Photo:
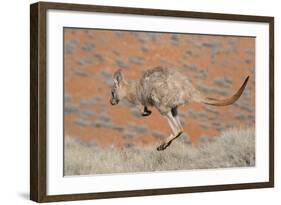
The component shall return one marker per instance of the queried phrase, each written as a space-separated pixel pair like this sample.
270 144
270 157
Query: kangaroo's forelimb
143 110
146 112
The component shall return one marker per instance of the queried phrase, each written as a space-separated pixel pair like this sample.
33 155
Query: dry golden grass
234 148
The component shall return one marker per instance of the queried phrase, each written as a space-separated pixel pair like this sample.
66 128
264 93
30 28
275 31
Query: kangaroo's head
118 90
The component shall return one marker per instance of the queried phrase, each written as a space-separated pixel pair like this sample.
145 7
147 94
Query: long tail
227 101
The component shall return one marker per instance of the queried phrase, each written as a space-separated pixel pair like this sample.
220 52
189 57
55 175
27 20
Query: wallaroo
166 90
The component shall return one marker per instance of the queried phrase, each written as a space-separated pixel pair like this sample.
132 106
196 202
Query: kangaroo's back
164 86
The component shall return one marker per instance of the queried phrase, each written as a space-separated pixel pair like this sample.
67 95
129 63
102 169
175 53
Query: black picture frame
38 101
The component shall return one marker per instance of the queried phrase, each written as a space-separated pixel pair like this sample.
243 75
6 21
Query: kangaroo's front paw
146 113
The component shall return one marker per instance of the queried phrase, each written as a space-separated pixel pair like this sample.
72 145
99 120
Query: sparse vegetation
234 148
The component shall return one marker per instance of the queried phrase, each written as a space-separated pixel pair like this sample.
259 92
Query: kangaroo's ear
118 76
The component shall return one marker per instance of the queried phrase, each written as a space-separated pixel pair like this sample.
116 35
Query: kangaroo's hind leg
176 129
176 116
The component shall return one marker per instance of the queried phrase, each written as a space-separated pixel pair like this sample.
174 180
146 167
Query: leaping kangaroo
166 90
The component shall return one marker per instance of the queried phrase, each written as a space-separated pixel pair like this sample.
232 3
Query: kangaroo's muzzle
114 101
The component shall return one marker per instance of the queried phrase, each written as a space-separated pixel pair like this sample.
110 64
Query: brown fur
166 90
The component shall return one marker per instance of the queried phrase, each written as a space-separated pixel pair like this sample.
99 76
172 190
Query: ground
234 148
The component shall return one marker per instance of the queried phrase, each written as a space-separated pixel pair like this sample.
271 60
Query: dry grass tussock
234 148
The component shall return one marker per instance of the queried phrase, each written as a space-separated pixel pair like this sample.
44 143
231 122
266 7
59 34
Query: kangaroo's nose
113 102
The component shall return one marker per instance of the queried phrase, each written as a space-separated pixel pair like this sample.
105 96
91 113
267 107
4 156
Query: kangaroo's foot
163 146
146 112
168 142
